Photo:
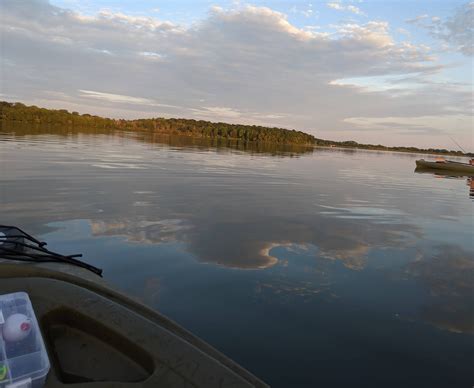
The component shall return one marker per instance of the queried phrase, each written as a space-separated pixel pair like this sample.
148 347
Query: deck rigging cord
16 244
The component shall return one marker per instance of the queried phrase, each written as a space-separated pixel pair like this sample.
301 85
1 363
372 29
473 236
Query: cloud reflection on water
240 207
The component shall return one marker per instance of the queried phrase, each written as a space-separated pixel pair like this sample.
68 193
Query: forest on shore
21 113
16 112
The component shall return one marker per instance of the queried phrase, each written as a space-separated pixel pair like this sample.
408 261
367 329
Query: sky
381 72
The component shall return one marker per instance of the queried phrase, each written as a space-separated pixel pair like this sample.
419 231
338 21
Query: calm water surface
313 268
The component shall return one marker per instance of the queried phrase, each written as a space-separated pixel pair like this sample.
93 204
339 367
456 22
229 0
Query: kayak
446 165
98 337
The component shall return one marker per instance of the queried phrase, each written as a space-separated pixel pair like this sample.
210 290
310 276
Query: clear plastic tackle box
24 361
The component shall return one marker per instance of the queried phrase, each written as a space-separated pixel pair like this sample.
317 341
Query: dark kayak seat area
97 337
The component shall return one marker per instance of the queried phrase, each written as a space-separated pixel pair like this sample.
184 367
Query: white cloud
337 6
246 64
354 9
403 31
438 128
217 112
306 12
456 32
151 55
413 125
348 8
115 97
417 19
374 33
120 98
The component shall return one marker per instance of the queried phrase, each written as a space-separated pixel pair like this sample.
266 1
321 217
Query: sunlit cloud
243 64
348 8
217 112
119 98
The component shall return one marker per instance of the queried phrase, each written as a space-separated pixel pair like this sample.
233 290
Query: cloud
403 31
417 19
245 64
457 31
348 8
217 111
119 98
307 12
149 232
373 33
415 125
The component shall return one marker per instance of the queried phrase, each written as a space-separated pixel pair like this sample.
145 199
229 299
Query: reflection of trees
174 140
185 142
24 129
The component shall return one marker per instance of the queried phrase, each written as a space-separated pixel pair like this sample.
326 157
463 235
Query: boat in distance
98 337
447 165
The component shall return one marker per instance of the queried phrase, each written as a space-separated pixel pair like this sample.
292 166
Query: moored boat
97 336
448 165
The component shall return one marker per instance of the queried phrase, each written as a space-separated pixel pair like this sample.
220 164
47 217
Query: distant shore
16 112
419 151
378 147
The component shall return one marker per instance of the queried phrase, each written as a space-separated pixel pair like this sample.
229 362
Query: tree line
378 147
21 113
16 112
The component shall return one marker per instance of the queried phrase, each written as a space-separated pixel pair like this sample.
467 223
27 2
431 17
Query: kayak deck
96 335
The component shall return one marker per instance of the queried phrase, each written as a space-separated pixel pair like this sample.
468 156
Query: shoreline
420 152
243 141
14 113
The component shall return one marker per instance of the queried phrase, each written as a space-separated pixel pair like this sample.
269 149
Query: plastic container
24 361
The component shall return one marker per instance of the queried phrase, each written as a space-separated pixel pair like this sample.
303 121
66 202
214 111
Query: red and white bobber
16 328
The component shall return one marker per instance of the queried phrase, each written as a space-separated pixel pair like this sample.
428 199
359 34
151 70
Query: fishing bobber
16 328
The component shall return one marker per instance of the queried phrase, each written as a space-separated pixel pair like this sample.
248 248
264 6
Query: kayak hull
447 166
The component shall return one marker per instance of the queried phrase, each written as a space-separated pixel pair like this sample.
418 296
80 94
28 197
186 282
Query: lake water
323 268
